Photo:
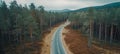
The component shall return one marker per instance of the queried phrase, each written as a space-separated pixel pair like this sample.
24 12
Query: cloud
64 4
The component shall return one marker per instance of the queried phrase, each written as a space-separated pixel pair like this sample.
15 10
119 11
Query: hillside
64 10
111 5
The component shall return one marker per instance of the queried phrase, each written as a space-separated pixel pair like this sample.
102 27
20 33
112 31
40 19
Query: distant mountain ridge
111 5
64 10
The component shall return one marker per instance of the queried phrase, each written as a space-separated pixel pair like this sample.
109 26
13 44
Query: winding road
57 46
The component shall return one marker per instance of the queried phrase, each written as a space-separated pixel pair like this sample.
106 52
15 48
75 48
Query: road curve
57 45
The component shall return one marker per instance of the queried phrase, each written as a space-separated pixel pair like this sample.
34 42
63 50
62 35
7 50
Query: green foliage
18 23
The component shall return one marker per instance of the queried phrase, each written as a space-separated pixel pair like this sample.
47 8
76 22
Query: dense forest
26 24
21 24
100 25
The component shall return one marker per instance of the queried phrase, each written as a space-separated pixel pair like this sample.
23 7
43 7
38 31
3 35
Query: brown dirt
47 42
29 48
107 49
78 43
64 43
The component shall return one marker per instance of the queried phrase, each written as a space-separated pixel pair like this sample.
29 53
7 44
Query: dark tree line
19 24
102 25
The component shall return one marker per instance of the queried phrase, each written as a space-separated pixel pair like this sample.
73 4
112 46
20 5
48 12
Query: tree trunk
17 38
115 33
31 32
41 25
20 35
50 22
2 38
111 34
91 33
100 28
105 33
9 36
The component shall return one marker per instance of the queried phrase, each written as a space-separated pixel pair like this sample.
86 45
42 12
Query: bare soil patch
64 43
77 43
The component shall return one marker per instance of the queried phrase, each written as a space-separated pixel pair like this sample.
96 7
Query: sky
63 4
